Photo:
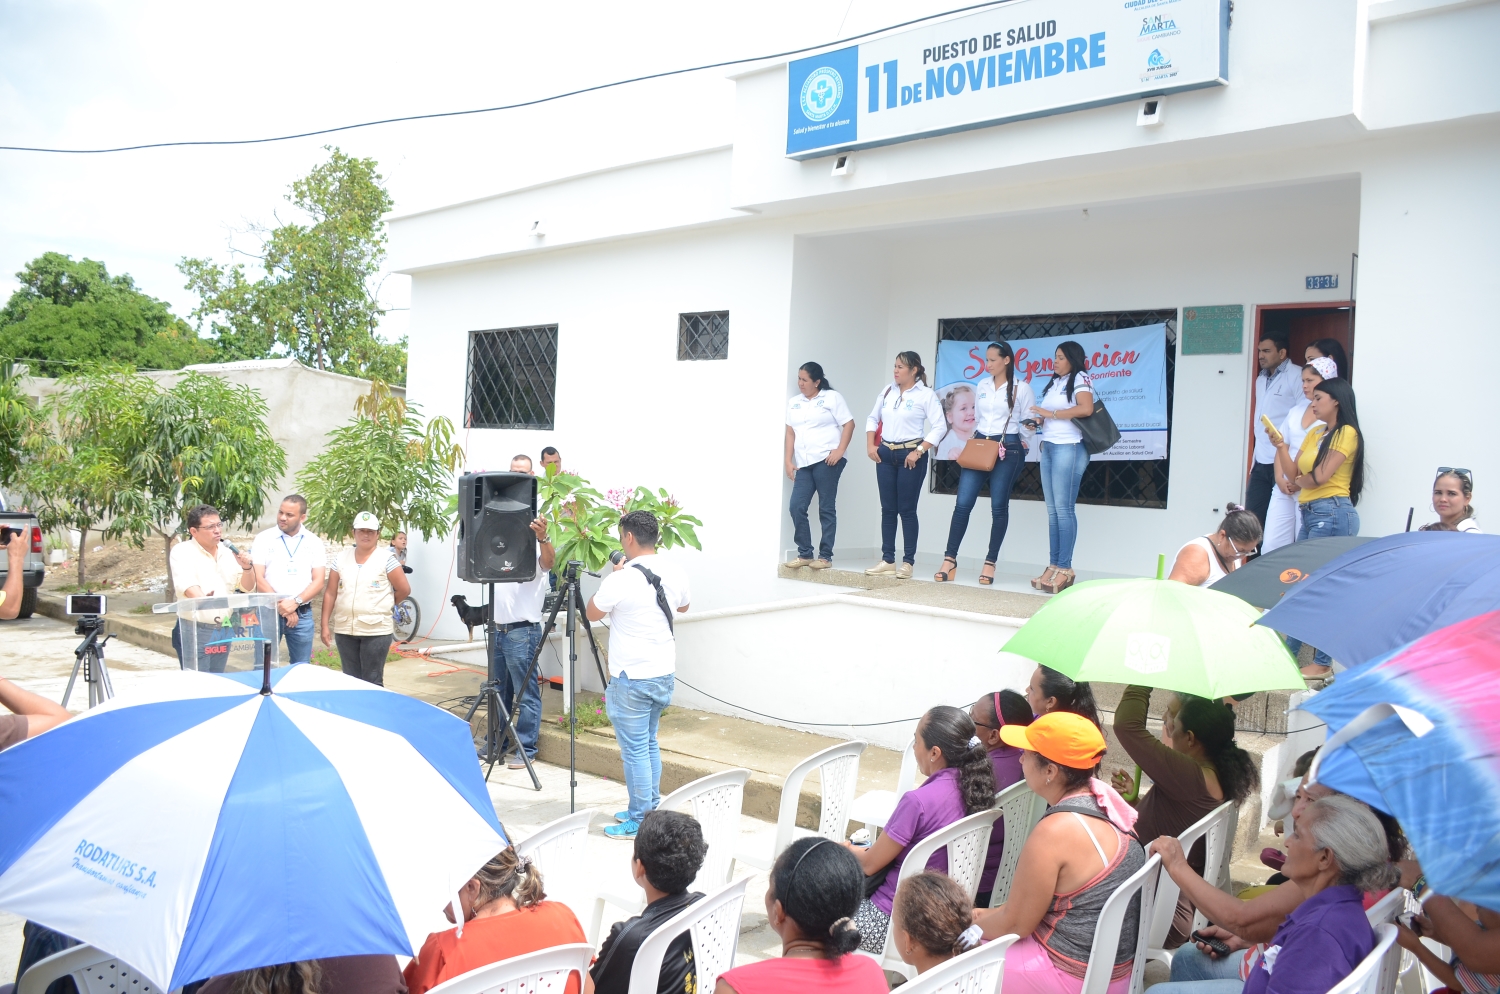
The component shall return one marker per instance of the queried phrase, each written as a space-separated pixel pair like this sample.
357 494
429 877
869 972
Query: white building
1348 145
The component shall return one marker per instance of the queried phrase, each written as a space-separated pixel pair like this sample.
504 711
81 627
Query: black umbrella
1265 580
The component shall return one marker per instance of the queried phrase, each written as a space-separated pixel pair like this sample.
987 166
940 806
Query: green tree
80 477
316 299
71 314
22 428
584 524
387 461
204 441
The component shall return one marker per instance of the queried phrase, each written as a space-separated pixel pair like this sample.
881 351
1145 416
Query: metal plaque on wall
1216 330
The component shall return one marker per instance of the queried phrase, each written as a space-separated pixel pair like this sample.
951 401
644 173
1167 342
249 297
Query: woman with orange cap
1069 866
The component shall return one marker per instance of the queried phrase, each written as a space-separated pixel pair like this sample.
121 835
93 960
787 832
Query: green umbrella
1158 633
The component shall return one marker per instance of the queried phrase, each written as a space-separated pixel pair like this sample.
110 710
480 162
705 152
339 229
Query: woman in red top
506 914
816 887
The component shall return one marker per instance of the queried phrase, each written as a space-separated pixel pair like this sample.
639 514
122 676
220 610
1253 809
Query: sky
75 73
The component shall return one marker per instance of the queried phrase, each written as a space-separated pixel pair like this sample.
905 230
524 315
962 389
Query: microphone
230 546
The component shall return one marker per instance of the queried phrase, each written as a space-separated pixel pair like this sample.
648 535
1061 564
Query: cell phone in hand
1219 947
1031 423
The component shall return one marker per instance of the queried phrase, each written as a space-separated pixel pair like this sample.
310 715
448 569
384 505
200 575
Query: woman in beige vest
365 581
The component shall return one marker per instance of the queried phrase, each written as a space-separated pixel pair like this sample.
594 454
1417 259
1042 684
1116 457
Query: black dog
473 617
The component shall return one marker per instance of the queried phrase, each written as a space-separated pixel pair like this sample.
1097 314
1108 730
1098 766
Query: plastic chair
1387 908
873 808
1376 973
968 842
93 971
545 971
715 926
557 850
1022 808
1214 828
977 971
838 775
1112 920
716 802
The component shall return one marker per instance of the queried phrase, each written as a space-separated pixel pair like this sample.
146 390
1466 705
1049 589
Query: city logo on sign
1158 26
822 93
1158 60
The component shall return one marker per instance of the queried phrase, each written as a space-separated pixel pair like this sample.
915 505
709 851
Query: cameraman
639 598
15 556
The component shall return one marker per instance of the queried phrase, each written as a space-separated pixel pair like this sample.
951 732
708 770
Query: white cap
366 519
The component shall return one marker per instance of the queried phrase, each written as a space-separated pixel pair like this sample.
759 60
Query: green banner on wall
1215 330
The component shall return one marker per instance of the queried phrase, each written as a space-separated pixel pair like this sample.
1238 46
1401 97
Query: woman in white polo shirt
1068 395
365 580
901 411
818 430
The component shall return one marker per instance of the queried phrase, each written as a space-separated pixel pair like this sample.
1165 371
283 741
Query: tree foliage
71 314
316 299
386 461
584 524
22 428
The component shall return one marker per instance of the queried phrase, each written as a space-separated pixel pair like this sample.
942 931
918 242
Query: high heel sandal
1061 580
985 581
946 575
1046 577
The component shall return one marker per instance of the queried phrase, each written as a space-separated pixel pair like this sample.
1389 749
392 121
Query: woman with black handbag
995 454
1069 395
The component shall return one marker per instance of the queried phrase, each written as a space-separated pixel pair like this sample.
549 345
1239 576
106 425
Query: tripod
89 657
498 727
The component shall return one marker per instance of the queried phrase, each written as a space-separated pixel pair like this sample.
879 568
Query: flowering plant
584 524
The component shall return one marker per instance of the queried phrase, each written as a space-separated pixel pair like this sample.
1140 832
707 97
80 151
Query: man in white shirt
291 561
518 632
1278 388
204 567
639 598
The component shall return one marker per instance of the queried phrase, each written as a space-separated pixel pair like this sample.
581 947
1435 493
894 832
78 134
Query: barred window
512 381
1130 483
703 336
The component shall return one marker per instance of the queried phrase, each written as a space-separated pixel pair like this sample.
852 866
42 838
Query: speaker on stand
496 545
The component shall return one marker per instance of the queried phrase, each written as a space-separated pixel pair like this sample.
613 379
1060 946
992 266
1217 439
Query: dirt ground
116 566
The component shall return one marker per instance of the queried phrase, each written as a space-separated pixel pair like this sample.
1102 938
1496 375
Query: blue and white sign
1029 58
1128 367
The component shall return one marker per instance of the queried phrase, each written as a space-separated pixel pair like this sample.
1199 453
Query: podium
226 634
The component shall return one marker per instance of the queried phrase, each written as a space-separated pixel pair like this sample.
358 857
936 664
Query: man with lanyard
290 561
1278 388
518 632
639 598
204 567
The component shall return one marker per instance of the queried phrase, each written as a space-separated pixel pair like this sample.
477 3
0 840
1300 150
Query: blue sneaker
622 816
624 830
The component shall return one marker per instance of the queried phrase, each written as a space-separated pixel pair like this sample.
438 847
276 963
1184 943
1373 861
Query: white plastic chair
1387 908
874 808
545 971
838 775
1214 828
93 971
715 925
977 971
1112 920
968 842
557 851
716 801
1022 808
1376 973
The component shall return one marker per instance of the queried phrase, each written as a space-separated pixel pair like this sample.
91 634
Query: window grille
1130 483
703 336
512 379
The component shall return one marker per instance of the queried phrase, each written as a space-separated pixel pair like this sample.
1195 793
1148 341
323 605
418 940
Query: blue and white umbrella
207 829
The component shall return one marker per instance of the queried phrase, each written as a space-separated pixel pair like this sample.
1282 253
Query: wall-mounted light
1150 112
843 165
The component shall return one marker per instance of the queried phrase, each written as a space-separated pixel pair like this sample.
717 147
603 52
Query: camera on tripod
89 609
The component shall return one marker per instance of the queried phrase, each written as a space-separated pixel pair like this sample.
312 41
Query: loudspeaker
495 540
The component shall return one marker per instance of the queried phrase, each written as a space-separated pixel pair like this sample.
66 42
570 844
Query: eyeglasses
1467 474
980 724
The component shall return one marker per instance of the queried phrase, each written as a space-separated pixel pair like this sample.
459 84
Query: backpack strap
661 596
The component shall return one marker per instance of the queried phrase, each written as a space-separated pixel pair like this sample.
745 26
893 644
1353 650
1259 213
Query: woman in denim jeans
1331 464
1068 395
1000 403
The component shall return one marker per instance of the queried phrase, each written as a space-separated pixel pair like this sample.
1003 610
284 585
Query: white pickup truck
21 526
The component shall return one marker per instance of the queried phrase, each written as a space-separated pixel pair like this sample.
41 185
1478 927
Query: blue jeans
1001 479
1233 986
1325 517
899 489
513 652
1062 471
824 479
299 640
634 708
211 658
1191 963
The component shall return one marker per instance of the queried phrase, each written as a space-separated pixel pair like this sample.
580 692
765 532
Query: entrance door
1302 325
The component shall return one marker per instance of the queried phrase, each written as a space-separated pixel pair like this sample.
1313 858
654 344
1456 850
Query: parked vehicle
26 529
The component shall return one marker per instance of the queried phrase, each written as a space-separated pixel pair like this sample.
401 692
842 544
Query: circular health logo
822 93
1293 575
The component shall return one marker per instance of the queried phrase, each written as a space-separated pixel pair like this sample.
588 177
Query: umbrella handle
1135 792
1161 573
265 680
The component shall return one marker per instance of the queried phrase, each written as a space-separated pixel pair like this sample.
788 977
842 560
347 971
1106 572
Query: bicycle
407 616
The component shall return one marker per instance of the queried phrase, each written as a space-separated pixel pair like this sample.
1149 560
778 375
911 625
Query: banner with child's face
1128 367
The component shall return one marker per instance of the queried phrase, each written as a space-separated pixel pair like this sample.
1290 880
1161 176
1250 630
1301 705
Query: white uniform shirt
640 644
1062 431
903 414
521 601
288 560
1276 393
194 566
995 416
817 425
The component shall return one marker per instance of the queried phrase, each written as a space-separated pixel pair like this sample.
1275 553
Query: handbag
880 425
981 454
1098 429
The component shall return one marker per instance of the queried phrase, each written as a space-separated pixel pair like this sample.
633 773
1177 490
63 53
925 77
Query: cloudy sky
79 74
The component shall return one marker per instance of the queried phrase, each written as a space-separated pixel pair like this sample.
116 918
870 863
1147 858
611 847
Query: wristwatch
299 601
